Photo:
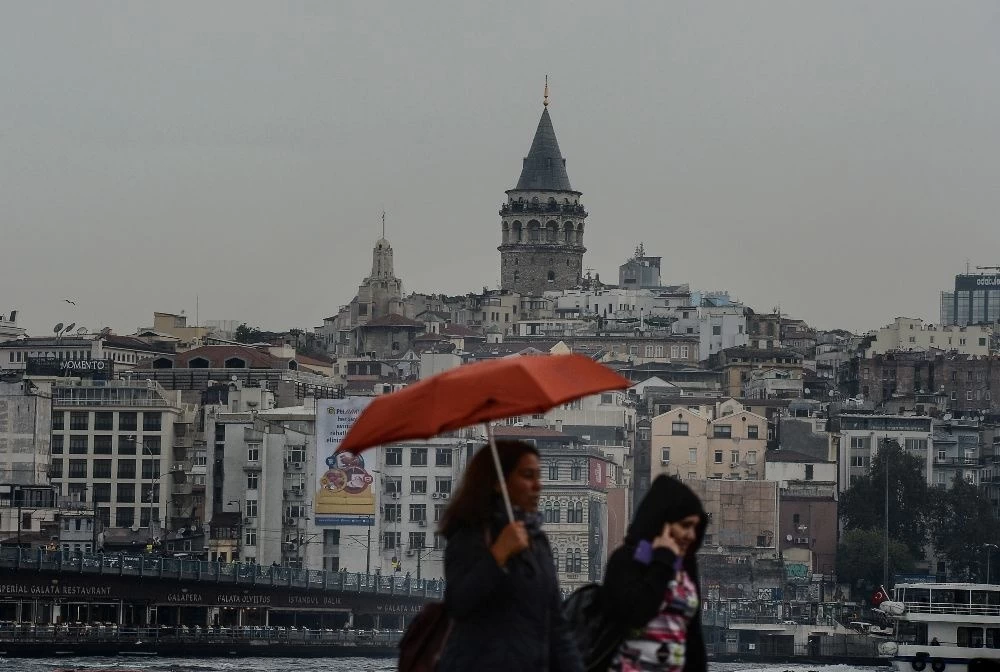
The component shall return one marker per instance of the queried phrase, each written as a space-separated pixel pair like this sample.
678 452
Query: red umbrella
479 393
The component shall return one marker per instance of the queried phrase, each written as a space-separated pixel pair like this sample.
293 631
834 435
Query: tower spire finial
545 97
383 224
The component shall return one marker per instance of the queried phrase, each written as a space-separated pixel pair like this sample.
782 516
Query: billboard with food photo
345 491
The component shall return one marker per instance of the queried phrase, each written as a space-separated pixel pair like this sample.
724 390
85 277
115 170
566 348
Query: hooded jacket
504 619
633 589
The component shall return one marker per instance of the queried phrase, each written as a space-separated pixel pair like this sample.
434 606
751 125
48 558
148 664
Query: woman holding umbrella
501 592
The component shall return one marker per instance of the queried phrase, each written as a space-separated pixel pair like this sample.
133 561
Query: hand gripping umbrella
477 394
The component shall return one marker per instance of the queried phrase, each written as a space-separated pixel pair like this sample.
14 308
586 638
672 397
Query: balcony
182 466
181 489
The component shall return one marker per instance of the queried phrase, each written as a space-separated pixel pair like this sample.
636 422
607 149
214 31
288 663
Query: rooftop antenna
383 224
545 96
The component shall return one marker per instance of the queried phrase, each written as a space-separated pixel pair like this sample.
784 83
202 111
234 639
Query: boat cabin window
950 596
986 597
918 595
993 638
970 637
912 632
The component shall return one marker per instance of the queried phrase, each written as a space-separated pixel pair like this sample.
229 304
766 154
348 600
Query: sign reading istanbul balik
344 491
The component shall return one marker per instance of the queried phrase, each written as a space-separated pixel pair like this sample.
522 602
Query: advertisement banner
344 483
598 474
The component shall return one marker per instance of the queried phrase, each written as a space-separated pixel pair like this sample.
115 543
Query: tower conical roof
544 168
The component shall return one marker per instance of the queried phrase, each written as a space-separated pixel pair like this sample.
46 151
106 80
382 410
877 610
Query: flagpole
885 559
499 468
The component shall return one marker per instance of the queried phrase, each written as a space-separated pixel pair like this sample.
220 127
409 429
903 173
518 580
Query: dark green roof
544 168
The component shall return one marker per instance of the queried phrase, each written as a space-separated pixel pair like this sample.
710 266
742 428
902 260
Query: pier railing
15 632
125 564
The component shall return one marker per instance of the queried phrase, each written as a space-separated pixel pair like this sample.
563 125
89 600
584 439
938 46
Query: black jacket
504 620
633 591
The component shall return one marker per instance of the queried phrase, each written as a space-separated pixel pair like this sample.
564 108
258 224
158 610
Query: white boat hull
921 658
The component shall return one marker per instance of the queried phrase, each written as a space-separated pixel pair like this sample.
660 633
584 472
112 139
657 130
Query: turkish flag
880 596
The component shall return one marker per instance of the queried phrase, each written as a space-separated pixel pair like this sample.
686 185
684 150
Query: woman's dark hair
473 502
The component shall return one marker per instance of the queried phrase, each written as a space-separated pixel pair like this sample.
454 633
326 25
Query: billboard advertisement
974 282
598 476
345 492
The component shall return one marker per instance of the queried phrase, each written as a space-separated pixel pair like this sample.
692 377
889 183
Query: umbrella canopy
478 393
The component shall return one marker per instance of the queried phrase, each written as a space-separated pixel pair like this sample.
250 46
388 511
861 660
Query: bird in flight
68 301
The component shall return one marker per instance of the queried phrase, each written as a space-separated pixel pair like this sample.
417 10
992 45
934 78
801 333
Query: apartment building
859 437
694 444
112 445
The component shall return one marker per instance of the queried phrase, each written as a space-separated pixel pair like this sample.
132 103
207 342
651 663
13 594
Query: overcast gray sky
840 159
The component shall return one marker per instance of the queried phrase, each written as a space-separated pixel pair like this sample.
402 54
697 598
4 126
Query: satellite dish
135 527
56 329
70 327
81 331
788 537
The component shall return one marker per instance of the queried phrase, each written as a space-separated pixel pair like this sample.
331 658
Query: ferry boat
942 627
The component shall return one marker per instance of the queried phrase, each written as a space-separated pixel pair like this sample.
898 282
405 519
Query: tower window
552 276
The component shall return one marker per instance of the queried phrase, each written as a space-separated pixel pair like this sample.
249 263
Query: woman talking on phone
651 584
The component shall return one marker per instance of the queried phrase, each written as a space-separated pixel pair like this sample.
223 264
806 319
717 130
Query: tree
962 523
859 559
862 506
245 334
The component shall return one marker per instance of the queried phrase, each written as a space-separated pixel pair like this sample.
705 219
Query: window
253 452
250 537
58 420
554 471
692 455
665 456
102 468
734 457
439 510
78 445
79 420
251 508
126 468
717 330
393 485
56 469
751 457
444 485
392 513
753 432
102 444
970 637
576 471
124 517
126 493
253 480
761 541
394 457
391 540
722 431
418 513
151 421
78 469
684 352
859 460
57 444
418 540
718 457
150 469
674 352
574 512
439 542
809 472
418 457
442 458
418 486
679 428
102 492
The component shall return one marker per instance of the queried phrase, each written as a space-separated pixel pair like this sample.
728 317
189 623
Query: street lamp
146 450
989 549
